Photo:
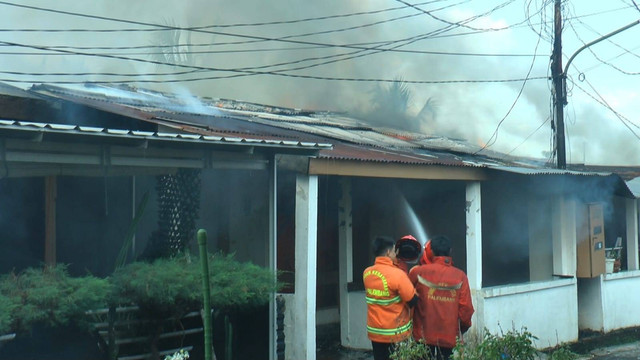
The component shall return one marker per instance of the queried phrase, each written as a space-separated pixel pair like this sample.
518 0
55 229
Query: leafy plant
517 345
49 296
7 306
179 355
175 284
563 353
411 350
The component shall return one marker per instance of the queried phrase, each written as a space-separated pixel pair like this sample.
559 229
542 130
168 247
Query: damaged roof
12 126
352 139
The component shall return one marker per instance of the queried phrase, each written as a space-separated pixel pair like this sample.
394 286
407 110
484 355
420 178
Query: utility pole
558 85
560 79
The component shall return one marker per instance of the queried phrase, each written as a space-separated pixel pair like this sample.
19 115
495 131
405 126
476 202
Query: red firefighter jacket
388 290
444 309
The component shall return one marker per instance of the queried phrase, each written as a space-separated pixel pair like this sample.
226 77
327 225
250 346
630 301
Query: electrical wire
422 52
212 26
605 62
625 121
202 29
157 27
350 55
494 137
454 23
528 136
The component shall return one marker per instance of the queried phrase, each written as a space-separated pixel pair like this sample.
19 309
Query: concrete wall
357 336
548 310
620 302
590 304
608 302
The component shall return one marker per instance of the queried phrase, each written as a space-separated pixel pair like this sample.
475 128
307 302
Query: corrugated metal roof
545 171
352 139
24 126
634 186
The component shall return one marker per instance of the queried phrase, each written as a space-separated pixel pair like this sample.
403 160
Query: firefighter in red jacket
444 310
389 295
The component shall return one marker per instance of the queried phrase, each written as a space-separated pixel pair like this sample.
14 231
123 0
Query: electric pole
560 77
558 85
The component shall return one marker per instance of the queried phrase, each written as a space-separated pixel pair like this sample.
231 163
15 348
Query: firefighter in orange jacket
444 310
389 295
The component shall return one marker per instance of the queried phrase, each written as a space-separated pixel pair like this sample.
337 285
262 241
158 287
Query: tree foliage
49 296
175 284
392 107
7 306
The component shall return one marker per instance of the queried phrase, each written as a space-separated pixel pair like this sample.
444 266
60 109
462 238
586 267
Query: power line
529 136
596 55
202 29
209 44
286 39
625 121
423 52
212 26
449 22
351 55
494 136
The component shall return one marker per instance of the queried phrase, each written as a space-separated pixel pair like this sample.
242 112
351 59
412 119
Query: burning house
316 187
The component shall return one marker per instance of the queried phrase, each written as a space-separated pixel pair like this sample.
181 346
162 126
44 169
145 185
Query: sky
454 56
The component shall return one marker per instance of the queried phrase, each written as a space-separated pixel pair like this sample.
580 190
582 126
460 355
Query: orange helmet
408 248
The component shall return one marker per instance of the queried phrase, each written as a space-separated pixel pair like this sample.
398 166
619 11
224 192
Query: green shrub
175 285
563 353
49 296
411 350
163 286
7 306
512 345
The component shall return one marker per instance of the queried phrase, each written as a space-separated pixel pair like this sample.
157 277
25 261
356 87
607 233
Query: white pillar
473 210
632 234
305 267
564 234
345 256
474 235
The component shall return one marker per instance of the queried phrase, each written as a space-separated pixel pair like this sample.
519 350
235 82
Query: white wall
590 315
609 302
548 310
620 300
357 336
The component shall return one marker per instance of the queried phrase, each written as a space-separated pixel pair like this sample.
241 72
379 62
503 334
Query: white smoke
470 110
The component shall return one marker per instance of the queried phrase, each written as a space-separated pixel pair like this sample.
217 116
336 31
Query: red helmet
427 255
408 248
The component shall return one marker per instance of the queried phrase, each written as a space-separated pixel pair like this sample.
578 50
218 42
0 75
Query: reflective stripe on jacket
388 289
445 302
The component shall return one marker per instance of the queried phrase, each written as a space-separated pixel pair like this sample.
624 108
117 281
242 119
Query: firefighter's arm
465 306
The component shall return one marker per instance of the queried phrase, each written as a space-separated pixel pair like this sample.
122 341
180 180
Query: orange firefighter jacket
388 290
444 309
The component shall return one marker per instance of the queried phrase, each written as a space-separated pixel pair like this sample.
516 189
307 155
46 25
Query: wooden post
50 186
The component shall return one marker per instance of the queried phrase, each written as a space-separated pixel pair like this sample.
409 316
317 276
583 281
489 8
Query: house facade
306 192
